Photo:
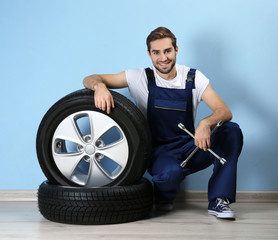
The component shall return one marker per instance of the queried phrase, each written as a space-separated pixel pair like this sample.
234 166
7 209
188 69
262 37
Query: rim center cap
90 149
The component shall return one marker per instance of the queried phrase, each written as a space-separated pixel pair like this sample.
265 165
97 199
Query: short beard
166 72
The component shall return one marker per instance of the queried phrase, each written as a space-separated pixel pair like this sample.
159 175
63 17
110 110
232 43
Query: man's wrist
99 85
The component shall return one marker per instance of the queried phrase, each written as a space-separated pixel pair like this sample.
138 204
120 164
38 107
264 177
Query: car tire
104 205
71 153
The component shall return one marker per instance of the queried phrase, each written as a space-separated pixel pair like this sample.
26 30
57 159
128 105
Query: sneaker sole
225 215
164 207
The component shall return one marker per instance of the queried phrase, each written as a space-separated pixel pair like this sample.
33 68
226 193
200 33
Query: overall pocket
174 105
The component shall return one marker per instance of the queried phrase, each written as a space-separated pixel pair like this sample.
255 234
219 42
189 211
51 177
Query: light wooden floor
21 220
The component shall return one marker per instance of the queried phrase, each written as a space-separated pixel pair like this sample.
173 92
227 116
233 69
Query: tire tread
107 205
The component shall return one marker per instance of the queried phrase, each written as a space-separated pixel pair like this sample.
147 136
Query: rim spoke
67 130
67 163
97 177
100 124
118 152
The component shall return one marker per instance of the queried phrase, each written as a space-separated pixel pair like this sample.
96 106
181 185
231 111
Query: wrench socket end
181 126
183 165
223 161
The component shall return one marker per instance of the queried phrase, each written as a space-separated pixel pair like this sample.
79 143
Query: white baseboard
242 196
18 195
185 196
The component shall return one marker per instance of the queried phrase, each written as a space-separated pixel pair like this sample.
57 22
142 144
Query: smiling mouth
164 64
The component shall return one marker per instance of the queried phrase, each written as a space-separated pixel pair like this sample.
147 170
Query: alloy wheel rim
90 149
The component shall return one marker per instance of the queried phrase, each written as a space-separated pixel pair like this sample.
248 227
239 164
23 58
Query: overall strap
190 84
150 76
190 81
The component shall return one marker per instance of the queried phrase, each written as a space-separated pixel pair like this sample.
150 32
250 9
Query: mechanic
168 94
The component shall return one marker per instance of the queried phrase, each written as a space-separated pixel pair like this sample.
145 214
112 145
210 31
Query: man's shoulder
136 72
135 76
182 68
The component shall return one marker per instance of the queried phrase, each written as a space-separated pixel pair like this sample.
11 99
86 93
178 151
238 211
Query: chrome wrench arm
190 156
222 160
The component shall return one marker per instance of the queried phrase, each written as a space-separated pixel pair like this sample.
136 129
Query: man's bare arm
100 84
220 112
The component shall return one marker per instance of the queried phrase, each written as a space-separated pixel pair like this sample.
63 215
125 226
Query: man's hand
103 98
202 136
100 84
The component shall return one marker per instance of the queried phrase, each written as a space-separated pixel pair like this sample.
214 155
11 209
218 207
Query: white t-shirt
138 85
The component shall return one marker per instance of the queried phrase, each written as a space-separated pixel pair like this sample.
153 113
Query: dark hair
159 33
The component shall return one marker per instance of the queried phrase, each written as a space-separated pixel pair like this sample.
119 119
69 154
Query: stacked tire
94 161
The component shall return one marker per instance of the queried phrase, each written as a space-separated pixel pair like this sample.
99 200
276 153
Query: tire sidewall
136 164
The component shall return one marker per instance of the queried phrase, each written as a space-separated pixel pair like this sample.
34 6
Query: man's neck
168 76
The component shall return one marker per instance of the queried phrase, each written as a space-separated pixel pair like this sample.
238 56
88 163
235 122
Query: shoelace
224 204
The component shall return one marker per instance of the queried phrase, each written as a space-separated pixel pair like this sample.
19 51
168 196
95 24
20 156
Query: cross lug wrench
219 123
222 160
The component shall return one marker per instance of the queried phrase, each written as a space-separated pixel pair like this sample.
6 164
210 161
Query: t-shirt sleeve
131 77
201 82
134 80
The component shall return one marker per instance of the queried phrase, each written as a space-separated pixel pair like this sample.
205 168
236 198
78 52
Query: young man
168 94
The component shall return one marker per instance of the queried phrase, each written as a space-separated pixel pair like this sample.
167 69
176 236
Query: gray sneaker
164 206
220 208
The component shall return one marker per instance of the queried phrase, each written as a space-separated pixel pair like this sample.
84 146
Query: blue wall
48 46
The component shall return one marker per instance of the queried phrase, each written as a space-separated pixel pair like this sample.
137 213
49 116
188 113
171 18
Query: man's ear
149 53
177 48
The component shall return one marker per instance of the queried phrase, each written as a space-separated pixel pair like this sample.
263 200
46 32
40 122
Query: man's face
163 55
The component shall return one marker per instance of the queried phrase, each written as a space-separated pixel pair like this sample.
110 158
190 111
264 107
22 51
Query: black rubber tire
127 116
106 205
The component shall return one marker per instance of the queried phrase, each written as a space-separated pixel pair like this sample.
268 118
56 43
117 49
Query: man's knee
233 127
233 131
169 178
229 140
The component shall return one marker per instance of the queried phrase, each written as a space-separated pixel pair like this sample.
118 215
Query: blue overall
171 145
